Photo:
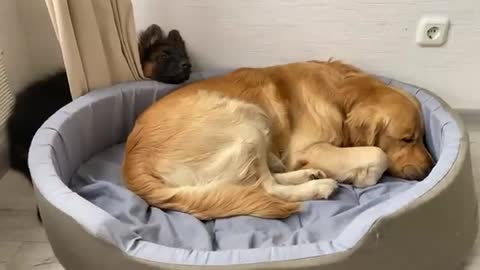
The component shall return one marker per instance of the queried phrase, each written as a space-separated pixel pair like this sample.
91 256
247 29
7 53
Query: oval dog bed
93 222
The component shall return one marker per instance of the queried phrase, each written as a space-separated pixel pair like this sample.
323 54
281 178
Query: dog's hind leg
299 176
311 190
296 186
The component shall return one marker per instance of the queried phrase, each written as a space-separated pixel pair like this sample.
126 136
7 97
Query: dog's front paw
371 174
324 188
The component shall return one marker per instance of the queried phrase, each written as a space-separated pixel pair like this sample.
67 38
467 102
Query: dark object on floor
33 106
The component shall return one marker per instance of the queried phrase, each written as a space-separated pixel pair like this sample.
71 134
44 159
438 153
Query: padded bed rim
63 230
448 179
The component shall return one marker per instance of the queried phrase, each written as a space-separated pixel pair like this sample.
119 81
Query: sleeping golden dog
258 141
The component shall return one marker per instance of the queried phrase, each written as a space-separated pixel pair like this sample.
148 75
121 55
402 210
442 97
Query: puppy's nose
185 65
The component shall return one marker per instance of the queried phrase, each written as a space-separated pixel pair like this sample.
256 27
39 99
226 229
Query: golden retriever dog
259 141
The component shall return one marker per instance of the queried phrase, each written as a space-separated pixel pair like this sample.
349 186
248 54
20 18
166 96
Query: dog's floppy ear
364 124
150 36
175 37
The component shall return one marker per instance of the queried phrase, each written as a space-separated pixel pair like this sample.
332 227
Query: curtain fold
98 42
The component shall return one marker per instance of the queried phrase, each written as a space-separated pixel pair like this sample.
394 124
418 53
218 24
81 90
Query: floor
23 242
24 245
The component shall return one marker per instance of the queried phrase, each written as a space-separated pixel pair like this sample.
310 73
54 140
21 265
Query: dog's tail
212 200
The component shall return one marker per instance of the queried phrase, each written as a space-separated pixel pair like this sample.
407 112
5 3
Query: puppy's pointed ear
364 125
175 37
147 38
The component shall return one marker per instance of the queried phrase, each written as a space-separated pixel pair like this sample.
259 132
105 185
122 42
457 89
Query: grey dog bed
75 160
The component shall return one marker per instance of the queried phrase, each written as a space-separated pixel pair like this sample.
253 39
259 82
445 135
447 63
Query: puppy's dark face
164 59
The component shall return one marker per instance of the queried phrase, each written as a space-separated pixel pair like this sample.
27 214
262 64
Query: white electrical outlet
432 30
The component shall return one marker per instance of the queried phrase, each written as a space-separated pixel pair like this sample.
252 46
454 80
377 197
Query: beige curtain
98 42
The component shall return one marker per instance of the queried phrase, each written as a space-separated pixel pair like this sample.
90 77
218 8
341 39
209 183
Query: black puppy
32 107
167 58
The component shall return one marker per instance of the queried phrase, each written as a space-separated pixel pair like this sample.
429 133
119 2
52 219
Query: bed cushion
99 181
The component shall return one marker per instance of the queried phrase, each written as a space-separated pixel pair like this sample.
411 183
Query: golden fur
258 141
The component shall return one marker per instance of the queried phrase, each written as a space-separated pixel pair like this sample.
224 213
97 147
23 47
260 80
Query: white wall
377 35
45 51
14 44
27 38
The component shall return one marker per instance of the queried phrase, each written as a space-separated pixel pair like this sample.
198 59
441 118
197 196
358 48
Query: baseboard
471 118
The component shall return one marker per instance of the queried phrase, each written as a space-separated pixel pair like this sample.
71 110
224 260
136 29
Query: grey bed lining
59 148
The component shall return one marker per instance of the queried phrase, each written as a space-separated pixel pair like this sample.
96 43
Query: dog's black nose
186 65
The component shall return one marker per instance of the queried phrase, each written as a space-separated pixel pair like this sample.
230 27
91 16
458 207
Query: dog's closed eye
408 140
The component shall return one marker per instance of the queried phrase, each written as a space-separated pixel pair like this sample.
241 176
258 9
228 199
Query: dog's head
164 58
392 120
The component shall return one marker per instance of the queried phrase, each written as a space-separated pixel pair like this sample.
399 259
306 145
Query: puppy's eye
164 55
407 140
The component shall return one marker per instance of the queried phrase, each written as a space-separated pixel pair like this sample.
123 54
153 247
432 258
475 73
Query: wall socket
432 30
